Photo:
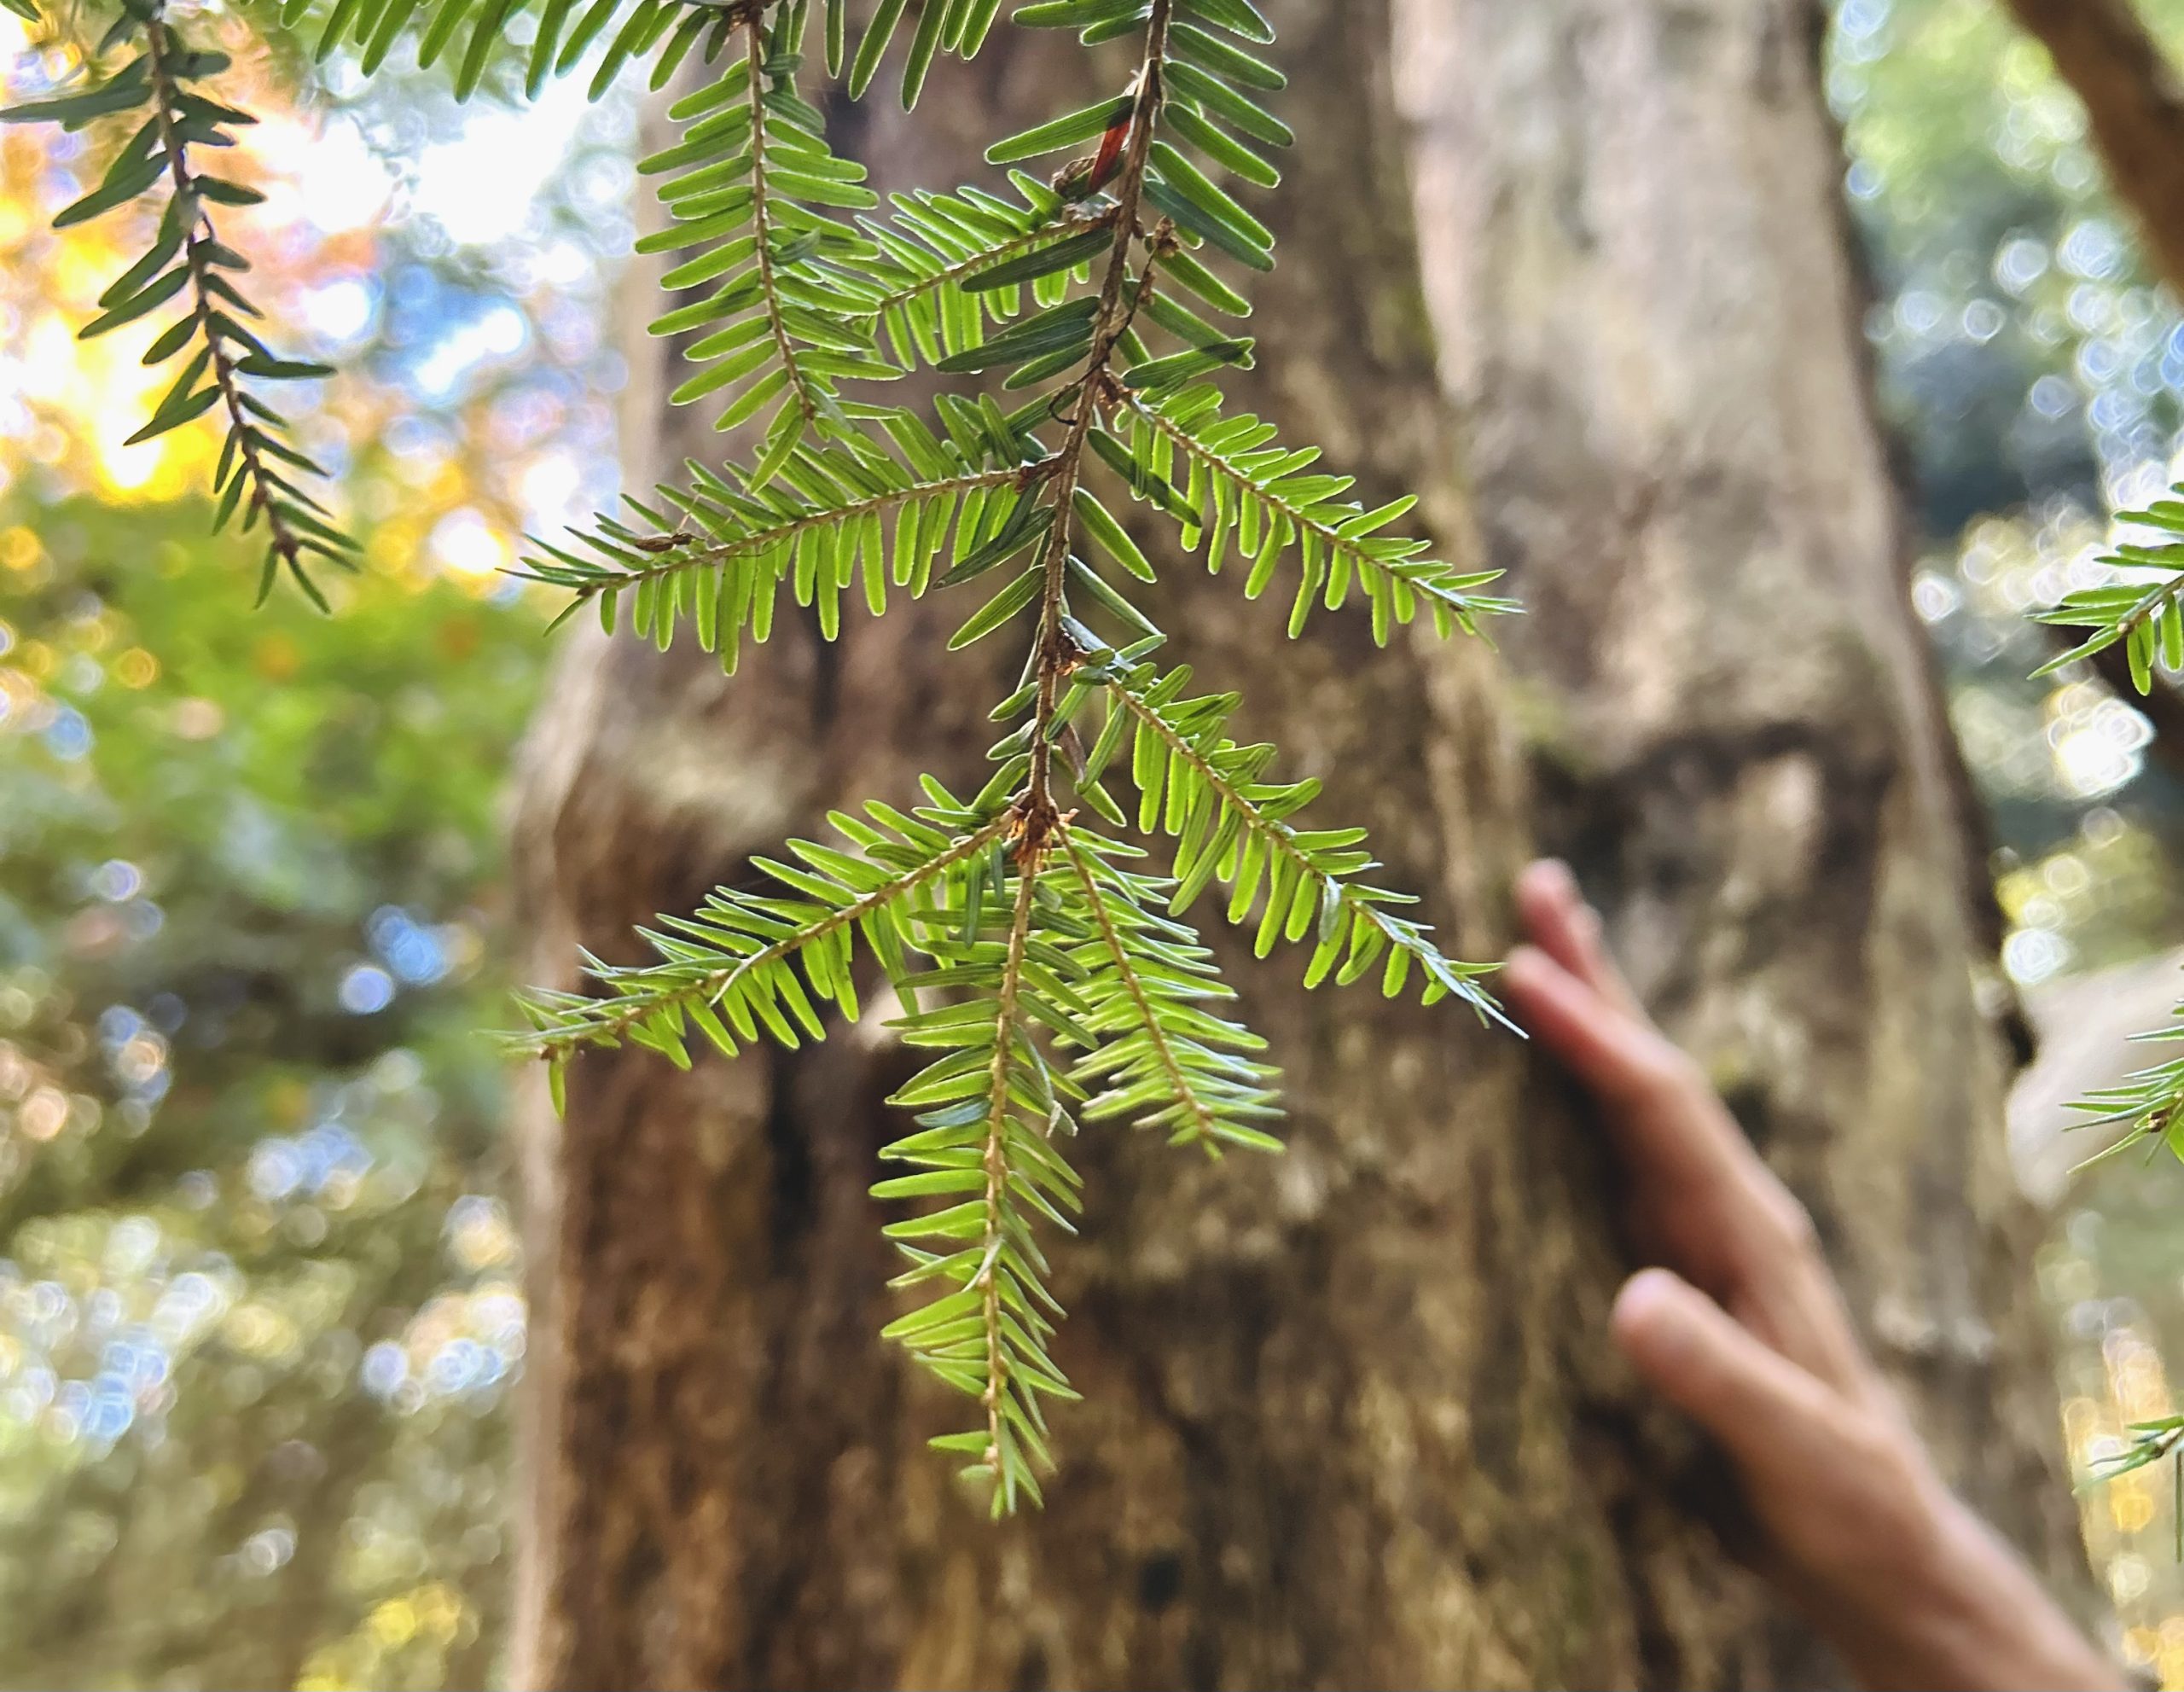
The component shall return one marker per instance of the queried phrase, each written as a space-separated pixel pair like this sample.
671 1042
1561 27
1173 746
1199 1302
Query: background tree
260 1298
1578 271
260 1301
2133 103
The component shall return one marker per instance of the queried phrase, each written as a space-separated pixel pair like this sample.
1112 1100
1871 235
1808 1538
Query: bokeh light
260 1293
2034 370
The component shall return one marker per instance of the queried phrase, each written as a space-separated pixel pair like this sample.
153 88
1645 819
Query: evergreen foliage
187 266
2141 609
1049 968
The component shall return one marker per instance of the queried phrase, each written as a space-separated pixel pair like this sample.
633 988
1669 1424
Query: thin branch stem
252 462
1331 536
995 1160
760 540
712 986
1053 655
762 220
979 261
1279 839
1186 1095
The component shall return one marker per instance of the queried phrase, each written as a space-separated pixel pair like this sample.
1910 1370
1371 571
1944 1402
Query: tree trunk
1649 316
1350 1416
2134 104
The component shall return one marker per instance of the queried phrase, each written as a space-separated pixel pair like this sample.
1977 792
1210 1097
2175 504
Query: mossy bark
1576 271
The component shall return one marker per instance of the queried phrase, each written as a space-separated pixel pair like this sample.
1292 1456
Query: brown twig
995 1164
761 216
1054 656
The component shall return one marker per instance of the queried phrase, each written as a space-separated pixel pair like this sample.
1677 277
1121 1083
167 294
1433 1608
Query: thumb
1768 1413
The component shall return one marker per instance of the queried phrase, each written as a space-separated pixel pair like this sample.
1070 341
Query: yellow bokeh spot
394 1623
440 1610
19 548
136 668
2130 1507
277 658
2170 1666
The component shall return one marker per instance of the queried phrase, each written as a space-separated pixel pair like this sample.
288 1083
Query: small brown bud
1074 181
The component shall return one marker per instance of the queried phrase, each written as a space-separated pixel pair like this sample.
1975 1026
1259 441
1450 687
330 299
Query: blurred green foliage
2034 371
257 1308
2025 350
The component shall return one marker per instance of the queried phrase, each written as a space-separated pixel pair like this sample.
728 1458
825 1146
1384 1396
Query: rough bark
1349 1415
1649 320
2134 103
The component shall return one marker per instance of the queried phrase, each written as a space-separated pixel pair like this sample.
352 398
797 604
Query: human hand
1742 1327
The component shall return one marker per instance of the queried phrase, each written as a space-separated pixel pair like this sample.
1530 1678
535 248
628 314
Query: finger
1562 925
1696 1183
1662 1119
1672 1134
1788 1296
1774 1418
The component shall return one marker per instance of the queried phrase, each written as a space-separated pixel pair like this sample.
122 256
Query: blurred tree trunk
2133 105
1350 1417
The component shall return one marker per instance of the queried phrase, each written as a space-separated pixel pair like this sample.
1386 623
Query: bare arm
1742 1327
